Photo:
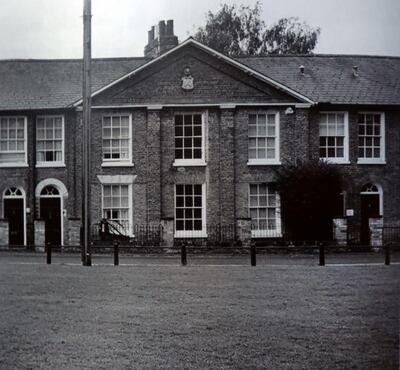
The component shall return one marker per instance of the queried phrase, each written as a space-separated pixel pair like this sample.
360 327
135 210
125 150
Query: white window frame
117 162
266 161
181 162
193 233
130 205
277 233
345 158
52 163
381 159
18 164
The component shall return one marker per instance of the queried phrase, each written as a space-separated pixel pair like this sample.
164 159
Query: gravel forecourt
155 315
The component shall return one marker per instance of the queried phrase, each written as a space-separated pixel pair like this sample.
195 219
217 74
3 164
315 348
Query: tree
241 31
309 195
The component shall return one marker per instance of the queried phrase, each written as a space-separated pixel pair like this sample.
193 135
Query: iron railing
212 235
139 234
391 235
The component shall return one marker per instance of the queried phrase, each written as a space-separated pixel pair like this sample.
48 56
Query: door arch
371 207
14 209
51 194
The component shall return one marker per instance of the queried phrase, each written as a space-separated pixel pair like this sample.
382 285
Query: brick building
187 137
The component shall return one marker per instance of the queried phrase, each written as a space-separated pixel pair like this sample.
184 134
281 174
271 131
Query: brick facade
225 96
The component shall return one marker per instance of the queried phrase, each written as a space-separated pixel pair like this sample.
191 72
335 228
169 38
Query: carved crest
187 79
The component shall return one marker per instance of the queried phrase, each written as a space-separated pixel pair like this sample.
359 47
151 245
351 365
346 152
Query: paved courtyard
217 312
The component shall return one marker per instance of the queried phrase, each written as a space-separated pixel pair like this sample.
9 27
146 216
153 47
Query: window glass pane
252 130
331 118
197 119
188 207
263 207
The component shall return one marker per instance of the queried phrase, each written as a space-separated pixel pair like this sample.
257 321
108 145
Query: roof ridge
317 56
73 59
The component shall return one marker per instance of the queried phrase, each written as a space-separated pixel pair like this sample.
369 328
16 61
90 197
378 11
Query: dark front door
369 209
50 211
14 213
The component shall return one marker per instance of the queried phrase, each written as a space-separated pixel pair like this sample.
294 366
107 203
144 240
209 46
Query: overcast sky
53 28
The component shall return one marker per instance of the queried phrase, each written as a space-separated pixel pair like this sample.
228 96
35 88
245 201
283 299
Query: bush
310 197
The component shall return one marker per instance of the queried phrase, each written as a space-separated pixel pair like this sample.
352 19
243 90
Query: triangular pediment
215 79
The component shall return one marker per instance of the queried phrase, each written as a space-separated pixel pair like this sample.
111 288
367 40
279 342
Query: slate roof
329 78
44 84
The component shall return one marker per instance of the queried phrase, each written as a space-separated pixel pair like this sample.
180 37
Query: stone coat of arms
187 79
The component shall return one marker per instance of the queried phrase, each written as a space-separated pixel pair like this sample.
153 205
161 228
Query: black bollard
183 254
253 255
387 255
48 250
321 255
88 259
116 251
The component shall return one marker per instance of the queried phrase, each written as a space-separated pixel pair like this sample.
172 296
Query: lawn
65 316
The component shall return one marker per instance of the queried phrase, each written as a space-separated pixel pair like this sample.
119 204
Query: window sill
190 234
189 163
366 161
266 234
14 165
49 165
117 164
264 163
335 161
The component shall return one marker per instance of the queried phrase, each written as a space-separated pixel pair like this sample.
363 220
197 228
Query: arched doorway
14 212
51 195
371 207
50 211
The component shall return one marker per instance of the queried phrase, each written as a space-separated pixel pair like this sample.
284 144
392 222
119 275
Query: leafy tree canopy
241 31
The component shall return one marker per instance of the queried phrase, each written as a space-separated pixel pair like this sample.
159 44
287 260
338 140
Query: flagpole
87 51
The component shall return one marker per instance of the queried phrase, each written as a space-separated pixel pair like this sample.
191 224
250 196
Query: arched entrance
51 195
14 212
50 211
371 207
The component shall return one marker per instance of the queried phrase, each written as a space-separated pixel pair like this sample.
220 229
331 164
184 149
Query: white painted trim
117 164
345 159
196 105
212 52
14 165
189 163
51 181
382 158
23 197
19 164
182 162
63 195
380 193
130 200
265 162
370 161
113 161
116 179
262 162
52 163
193 233
267 233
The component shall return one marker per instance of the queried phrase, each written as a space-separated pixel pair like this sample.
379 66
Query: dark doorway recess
50 212
14 213
369 209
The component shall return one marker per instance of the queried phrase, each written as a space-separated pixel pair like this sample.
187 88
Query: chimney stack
161 39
